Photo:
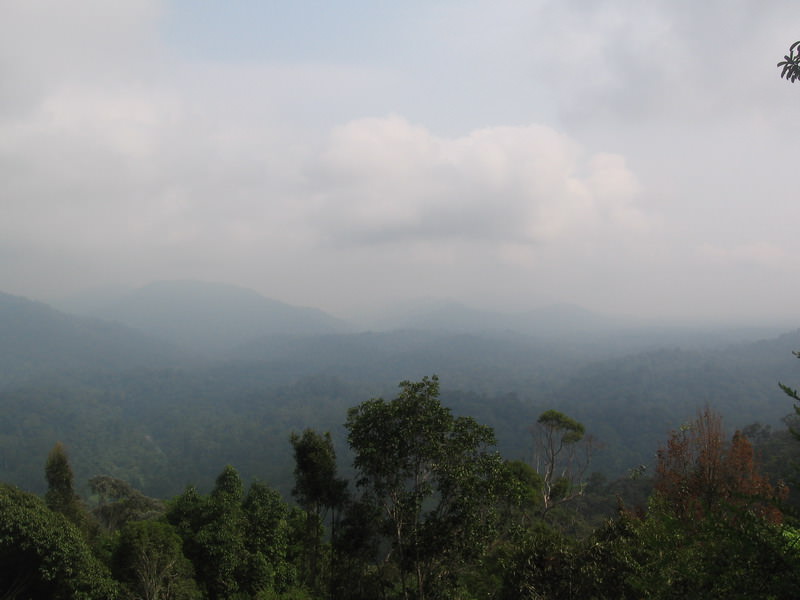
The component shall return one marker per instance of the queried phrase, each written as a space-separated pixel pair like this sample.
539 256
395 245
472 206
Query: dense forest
432 511
601 461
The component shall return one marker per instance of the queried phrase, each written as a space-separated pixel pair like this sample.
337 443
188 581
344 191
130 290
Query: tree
790 65
712 529
213 532
149 559
238 545
318 490
793 393
433 484
267 539
561 455
119 503
60 496
698 474
43 555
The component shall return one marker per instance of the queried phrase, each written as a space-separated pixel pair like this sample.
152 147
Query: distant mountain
89 301
470 360
556 320
212 317
35 338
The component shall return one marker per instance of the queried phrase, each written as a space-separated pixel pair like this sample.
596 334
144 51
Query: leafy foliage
432 483
217 532
698 474
791 392
119 503
43 555
562 454
790 65
148 558
61 496
318 490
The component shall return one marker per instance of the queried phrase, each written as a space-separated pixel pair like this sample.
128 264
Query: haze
631 158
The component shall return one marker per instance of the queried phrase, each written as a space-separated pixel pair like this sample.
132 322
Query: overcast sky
635 158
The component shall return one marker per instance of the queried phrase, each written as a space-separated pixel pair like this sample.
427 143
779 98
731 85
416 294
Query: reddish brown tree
698 473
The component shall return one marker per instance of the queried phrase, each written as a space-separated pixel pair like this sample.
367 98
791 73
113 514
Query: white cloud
386 180
762 253
571 150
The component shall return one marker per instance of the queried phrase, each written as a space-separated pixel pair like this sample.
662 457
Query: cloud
631 62
47 44
577 151
762 253
384 180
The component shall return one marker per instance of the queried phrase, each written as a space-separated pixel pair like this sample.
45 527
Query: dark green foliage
733 555
160 427
118 503
219 537
791 392
318 490
658 557
433 482
267 539
61 496
436 514
148 559
790 65
542 567
43 555
316 485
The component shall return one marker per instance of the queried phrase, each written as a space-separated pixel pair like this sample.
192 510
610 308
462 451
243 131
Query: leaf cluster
790 65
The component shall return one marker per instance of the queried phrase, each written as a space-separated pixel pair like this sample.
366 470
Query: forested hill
37 339
130 406
209 318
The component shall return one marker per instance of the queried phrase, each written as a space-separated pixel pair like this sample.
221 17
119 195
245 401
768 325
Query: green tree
793 393
238 544
433 482
60 496
733 553
43 555
561 455
221 538
267 540
213 532
118 503
318 490
149 559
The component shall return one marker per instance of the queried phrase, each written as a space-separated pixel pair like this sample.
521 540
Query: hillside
37 339
211 318
128 405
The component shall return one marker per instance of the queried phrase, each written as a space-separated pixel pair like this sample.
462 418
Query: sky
633 158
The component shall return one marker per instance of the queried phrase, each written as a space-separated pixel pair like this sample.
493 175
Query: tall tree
213 531
119 502
148 558
318 490
561 455
433 482
60 496
698 473
267 539
237 544
712 529
792 392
